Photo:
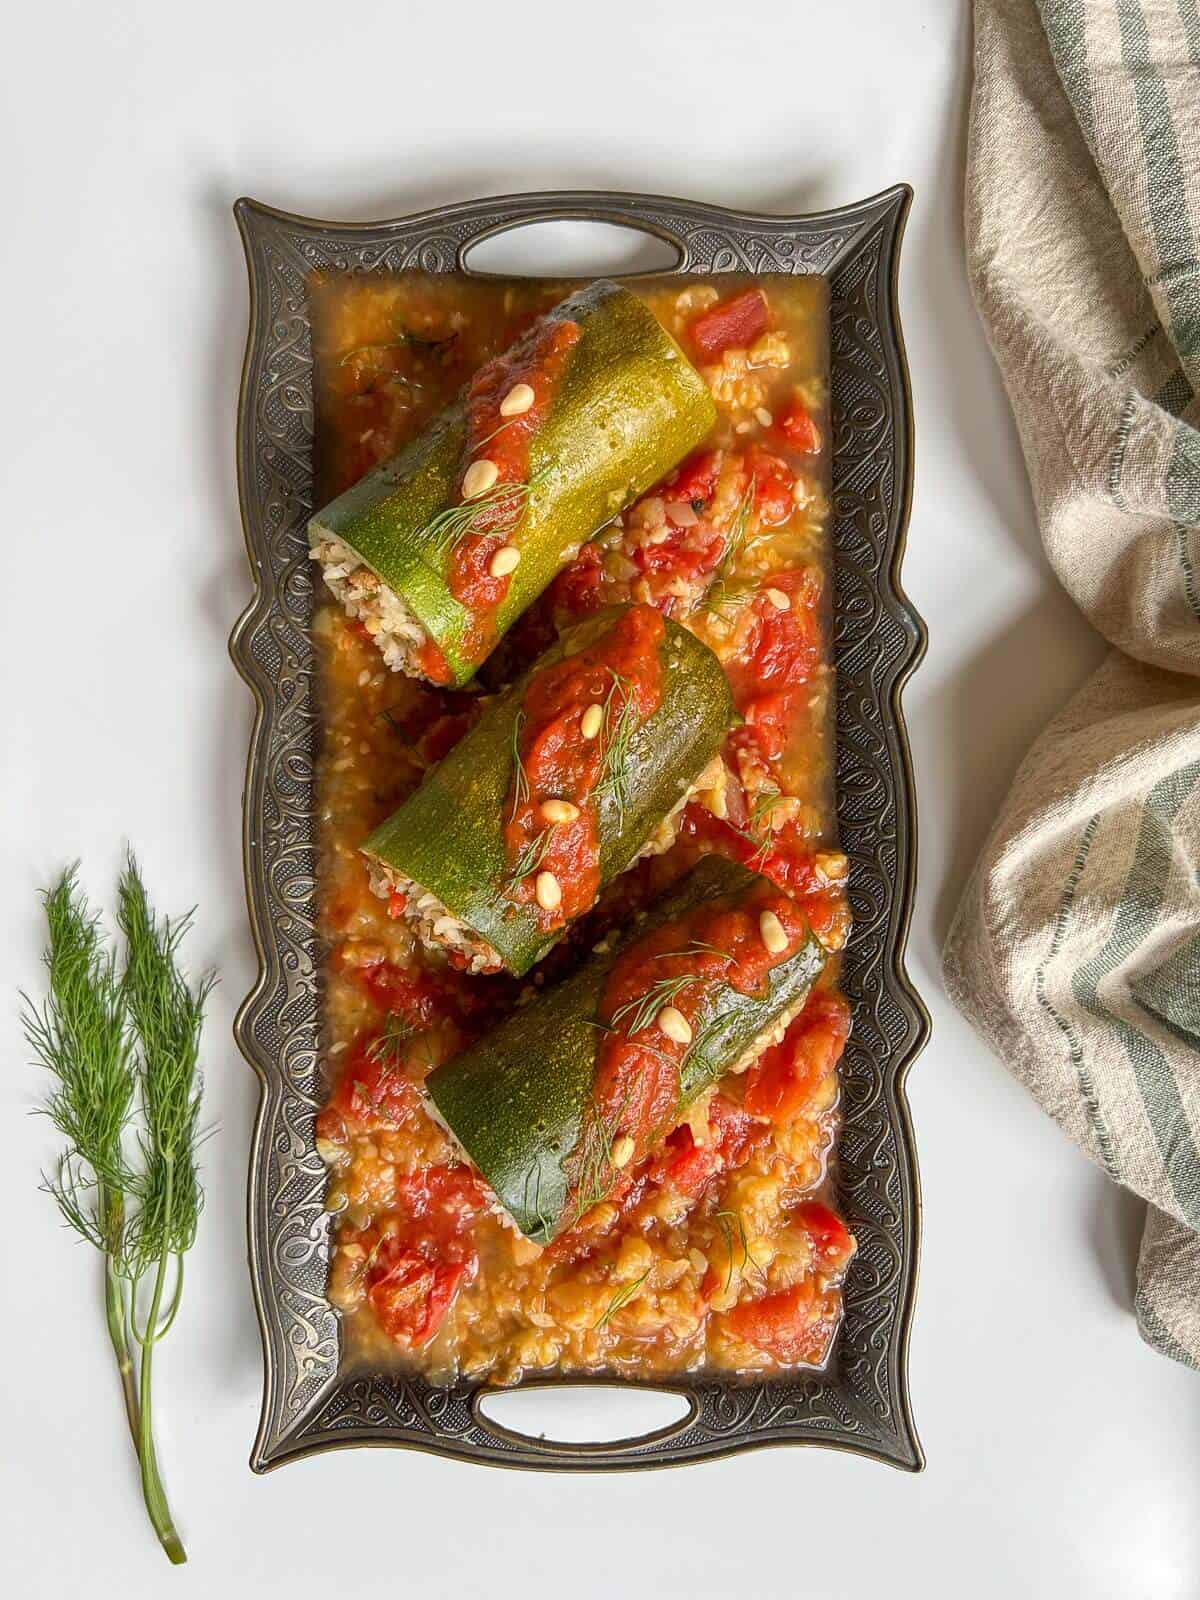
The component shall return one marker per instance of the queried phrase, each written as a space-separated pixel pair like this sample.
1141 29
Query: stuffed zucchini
570 1090
567 778
439 550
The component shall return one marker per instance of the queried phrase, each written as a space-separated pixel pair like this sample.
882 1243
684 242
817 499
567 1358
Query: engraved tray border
860 1403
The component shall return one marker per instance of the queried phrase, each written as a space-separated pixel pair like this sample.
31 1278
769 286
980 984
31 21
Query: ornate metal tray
861 1402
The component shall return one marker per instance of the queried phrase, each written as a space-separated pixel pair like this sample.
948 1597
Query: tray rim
640 212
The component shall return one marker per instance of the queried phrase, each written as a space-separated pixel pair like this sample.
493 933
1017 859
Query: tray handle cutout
571 1421
593 237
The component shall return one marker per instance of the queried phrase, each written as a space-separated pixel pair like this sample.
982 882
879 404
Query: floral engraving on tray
861 1402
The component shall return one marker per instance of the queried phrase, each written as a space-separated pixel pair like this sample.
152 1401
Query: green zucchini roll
440 550
567 1092
567 778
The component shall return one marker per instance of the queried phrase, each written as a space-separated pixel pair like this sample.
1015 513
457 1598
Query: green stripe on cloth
1157 1334
1175 395
1136 917
1066 28
1171 993
1177 273
1189 15
1083 1077
1183 475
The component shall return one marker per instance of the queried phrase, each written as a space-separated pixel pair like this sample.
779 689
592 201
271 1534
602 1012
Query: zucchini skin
629 407
516 1101
448 836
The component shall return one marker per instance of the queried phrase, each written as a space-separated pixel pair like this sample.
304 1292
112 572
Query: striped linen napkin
1076 949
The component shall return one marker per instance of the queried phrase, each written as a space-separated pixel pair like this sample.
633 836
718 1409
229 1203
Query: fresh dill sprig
594 1178
720 592
545 1223
402 338
531 857
696 947
726 1221
478 444
112 1039
622 1297
389 1048
167 1014
620 727
758 831
520 780
642 1011
476 518
80 1035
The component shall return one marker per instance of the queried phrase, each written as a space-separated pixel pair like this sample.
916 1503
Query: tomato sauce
621 676
680 965
537 362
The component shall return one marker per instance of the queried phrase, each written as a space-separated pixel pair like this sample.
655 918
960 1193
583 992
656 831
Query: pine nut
547 891
771 930
622 1151
506 560
591 721
779 600
517 401
556 811
675 1025
479 478
764 417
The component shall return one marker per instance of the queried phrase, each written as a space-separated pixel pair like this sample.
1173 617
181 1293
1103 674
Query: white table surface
1064 1456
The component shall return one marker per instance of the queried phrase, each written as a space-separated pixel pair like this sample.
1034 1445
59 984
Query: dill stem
153 1492
112 1208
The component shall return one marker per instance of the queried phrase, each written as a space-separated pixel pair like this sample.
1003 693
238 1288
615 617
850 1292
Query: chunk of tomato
797 426
832 1244
687 1167
784 1079
732 324
410 1294
774 486
371 1090
579 588
696 480
796 1324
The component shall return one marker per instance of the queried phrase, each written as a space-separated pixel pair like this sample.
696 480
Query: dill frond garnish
620 724
622 1297
758 831
478 444
726 1221
642 1011
123 1046
483 515
520 781
402 338
545 1224
721 592
697 947
389 1048
530 858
